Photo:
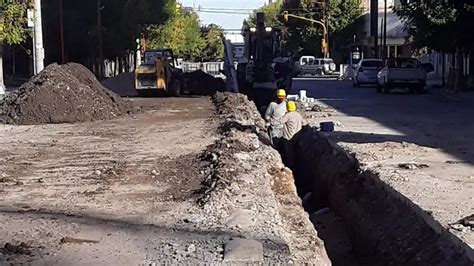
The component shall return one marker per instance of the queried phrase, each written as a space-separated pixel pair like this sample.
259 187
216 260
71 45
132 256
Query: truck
403 73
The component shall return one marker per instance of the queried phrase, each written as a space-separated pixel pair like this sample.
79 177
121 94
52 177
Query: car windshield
402 63
377 64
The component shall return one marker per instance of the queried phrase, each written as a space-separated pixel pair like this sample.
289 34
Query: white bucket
292 97
303 96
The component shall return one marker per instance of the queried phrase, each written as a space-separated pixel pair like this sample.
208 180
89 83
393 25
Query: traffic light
178 8
324 45
285 16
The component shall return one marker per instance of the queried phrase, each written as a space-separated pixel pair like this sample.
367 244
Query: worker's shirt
292 122
275 112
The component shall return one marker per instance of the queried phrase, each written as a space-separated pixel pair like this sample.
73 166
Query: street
419 144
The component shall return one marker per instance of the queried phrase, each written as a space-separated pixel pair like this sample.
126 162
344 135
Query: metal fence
211 68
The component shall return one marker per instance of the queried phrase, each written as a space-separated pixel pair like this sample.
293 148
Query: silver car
366 72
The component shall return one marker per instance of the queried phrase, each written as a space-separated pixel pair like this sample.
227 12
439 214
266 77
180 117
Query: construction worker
292 123
273 115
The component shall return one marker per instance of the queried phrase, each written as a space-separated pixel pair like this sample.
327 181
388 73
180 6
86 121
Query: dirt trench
383 226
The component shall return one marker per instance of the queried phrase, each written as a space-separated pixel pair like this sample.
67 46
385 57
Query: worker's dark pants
275 135
288 152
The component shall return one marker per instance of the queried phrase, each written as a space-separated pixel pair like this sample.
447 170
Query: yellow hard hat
281 93
291 106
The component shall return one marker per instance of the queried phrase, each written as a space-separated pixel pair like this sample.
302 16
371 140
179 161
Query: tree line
161 23
302 37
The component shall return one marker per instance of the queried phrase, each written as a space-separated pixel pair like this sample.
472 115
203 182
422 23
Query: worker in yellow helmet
273 115
292 123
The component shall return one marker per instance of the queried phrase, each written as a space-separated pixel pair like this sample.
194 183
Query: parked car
366 72
316 66
403 73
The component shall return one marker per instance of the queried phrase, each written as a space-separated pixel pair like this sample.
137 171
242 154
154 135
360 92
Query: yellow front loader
158 74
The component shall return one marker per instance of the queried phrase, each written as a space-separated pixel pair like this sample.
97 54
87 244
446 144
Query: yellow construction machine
158 74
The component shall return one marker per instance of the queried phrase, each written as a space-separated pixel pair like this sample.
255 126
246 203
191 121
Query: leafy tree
182 33
303 37
272 15
123 21
439 24
13 28
214 47
342 13
443 25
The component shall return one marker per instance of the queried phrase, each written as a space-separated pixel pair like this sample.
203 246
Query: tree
442 25
123 21
302 37
214 46
439 24
182 34
188 39
272 15
13 28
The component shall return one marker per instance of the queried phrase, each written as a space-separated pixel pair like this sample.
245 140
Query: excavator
259 73
158 75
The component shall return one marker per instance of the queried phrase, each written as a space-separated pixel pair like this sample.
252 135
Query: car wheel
379 88
386 89
319 72
355 84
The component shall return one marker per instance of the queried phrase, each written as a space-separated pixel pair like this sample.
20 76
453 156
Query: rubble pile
247 189
200 83
62 94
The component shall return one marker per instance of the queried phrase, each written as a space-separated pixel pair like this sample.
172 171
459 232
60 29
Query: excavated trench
362 220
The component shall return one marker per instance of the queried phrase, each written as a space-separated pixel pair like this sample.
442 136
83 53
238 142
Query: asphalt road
432 119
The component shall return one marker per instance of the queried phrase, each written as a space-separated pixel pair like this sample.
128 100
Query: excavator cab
158 74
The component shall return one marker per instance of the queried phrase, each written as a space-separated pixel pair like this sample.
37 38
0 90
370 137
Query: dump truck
158 75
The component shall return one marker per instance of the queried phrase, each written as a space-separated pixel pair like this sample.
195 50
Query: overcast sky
227 21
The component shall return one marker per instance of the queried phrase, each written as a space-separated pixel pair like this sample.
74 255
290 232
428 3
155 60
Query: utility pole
385 52
39 49
101 41
374 21
61 30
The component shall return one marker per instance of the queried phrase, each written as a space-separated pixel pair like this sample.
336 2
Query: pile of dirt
62 94
200 83
194 83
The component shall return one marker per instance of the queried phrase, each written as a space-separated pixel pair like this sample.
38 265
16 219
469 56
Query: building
396 35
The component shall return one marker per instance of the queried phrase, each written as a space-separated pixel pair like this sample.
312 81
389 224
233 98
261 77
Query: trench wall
385 227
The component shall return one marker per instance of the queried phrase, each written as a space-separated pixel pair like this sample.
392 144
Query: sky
227 21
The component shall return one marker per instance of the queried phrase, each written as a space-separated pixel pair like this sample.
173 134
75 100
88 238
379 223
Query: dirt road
182 182
64 187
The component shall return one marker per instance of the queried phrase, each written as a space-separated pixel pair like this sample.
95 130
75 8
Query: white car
316 66
366 72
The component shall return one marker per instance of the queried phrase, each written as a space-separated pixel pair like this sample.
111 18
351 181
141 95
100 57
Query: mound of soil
200 83
62 94
194 83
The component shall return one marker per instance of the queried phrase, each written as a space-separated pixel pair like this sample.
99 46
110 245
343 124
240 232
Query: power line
223 12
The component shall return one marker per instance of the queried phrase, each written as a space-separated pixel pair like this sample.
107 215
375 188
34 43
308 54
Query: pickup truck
316 66
402 73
